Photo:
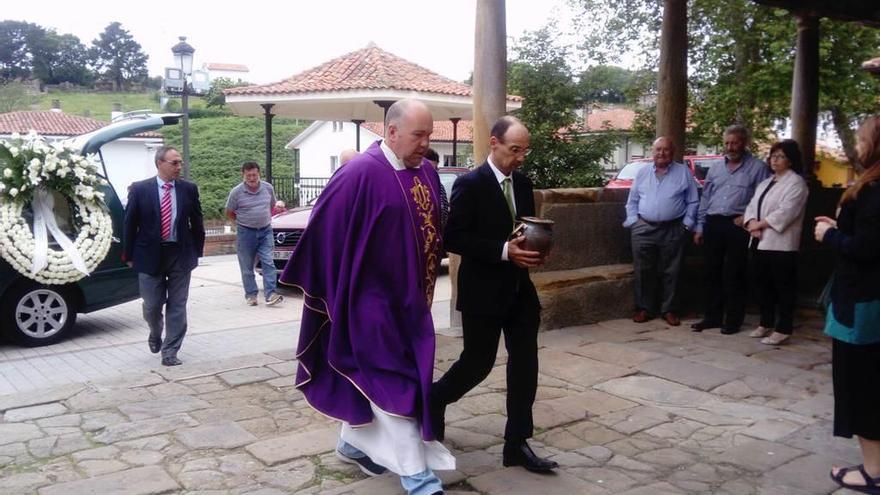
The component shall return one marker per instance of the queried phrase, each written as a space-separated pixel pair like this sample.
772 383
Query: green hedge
219 145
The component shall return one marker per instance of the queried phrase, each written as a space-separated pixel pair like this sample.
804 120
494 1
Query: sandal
775 338
760 332
872 485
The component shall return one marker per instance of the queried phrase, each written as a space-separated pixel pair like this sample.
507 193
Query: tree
16 41
610 84
117 57
215 97
15 96
61 58
560 156
741 56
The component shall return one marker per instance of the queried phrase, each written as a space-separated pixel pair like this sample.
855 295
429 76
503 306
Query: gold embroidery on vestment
421 195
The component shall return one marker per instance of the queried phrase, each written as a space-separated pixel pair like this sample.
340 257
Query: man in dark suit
495 293
164 238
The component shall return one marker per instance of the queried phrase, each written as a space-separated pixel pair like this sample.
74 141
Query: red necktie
166 210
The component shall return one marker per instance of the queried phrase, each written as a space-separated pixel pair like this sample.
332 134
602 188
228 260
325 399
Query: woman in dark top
853 319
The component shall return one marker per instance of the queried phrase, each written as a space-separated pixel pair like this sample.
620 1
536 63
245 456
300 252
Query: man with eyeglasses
164 236
495 293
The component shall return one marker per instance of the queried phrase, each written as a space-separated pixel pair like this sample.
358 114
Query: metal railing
298 191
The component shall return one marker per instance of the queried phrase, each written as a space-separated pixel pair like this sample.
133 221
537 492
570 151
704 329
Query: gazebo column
357 132
385 104
672 78
267 108
454 121
805 90
490 72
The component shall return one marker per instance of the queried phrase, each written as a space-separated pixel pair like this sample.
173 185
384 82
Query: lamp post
183 58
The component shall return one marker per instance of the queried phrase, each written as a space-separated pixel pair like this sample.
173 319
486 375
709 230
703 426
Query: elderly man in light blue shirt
660 210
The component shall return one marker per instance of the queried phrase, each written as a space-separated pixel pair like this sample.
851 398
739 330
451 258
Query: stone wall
588 277
219 244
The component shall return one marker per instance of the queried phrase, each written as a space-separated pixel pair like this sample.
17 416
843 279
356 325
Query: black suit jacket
479 225
143 226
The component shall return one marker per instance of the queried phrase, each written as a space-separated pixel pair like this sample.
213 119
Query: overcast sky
277 39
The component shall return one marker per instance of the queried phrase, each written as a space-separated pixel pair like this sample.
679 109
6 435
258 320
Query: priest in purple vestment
367 264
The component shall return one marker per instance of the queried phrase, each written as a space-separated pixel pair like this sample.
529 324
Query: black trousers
481 336
776 284
726 247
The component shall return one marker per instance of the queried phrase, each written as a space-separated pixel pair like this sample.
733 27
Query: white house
229 71
127 160
319 145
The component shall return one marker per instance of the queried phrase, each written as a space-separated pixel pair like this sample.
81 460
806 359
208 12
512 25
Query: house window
334 163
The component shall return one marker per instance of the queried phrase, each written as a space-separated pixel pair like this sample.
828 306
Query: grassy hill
99 105
219 145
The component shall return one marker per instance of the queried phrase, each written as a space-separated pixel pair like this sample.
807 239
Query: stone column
805 90
672 78
490 102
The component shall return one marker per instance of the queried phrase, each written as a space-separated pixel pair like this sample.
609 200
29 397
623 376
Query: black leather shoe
703 325
171 361
520 454
155 346
730 329
437 412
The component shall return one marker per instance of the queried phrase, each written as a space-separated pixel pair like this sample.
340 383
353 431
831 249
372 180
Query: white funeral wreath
31 170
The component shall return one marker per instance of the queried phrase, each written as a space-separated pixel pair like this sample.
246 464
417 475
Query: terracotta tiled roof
50 123
228 67
368 68
442 130
618 119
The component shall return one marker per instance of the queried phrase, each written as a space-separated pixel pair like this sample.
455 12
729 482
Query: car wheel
36 314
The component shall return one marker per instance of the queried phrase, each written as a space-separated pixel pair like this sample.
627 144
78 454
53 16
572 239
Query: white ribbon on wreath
45 225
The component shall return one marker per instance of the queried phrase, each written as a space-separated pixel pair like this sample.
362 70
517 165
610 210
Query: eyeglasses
516 150
174 162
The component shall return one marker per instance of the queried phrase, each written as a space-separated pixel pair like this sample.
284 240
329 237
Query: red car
288 227
699 165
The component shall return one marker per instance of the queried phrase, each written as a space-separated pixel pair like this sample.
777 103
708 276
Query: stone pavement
623 408
112 342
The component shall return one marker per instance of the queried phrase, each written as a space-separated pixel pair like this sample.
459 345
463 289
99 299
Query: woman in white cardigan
774 219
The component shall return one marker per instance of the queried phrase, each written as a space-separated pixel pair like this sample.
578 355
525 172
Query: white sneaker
760 332
775 339
274 299
251 300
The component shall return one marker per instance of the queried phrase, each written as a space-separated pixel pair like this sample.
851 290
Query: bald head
408 128
346 156
509 142
664 150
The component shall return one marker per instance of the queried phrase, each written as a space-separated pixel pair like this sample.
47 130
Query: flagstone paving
624 408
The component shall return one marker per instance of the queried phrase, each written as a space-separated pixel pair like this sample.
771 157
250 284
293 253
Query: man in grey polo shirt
250 205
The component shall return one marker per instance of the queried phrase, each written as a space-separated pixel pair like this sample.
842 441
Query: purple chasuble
367 264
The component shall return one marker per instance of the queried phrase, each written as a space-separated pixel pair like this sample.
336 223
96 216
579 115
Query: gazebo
357 87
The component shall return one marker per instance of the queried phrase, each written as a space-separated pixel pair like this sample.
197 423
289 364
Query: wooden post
490 72
805 90
672 78
490 102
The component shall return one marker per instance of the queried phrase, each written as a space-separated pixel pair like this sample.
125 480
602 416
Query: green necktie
508 195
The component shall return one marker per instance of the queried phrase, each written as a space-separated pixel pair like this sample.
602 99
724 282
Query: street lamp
183 59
